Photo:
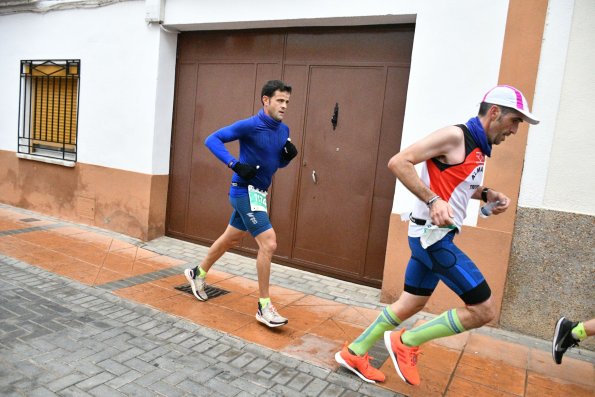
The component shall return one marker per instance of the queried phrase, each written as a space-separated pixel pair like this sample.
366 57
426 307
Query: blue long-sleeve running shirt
261 140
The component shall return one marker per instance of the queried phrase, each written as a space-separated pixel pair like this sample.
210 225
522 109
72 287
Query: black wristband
484 194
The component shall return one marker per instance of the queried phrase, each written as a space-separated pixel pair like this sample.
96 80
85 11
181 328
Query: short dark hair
274 85
485 106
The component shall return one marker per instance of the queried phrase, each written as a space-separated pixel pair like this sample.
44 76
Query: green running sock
446 324
202 273
264 301
579 332
386 321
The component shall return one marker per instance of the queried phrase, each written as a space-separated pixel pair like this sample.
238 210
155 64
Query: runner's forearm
406 173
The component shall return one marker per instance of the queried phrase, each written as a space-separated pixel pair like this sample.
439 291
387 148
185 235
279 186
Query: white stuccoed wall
127 80
455 61
559 172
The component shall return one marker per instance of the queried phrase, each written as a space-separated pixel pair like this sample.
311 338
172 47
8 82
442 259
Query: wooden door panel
284 190
384 186
181 153
347 46
218 47
338 166
225 93
339 225
264 72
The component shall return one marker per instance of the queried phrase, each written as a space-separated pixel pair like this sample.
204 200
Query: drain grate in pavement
378 351
212 292
29 220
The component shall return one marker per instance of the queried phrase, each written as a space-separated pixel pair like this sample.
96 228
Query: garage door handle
314 179
335 118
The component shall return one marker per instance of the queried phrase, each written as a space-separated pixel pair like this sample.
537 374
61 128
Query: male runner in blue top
264 147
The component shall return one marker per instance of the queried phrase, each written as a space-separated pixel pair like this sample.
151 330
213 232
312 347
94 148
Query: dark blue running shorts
243 218
444 261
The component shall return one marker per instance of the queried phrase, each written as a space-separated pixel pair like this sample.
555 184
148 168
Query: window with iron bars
48 111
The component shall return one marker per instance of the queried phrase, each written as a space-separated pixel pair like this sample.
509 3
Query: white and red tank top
454 183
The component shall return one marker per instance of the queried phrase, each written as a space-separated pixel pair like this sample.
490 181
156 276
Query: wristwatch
484 194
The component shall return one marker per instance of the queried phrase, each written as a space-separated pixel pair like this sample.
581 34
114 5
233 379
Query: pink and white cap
505 95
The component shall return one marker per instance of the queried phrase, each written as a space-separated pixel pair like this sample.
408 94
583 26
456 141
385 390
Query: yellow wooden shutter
54 106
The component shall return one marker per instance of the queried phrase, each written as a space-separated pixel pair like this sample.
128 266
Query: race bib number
258 199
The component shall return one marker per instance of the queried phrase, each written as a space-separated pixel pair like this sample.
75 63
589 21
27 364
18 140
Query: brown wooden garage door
331 206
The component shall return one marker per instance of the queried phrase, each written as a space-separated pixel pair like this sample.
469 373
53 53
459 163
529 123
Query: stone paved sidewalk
60 337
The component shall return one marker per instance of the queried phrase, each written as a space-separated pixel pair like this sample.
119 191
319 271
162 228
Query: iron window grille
48 108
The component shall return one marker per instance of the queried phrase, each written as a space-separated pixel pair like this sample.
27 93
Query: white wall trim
546 103
48 160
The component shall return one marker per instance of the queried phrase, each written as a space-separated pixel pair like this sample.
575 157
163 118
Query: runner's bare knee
483 312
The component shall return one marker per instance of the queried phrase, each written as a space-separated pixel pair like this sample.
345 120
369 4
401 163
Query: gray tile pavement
62 338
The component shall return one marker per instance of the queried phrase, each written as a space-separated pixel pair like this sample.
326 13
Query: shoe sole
344 364
556 334
265 322
389 347
192 285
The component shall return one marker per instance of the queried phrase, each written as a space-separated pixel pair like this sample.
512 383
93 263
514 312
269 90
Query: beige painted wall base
126 202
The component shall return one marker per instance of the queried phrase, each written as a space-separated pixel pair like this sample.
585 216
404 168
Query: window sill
65 163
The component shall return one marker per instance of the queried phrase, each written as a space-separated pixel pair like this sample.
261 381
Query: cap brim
529 117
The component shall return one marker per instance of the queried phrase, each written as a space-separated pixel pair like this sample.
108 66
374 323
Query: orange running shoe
359 365
404 357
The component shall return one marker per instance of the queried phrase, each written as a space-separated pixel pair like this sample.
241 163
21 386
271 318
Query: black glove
246 171
289 151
